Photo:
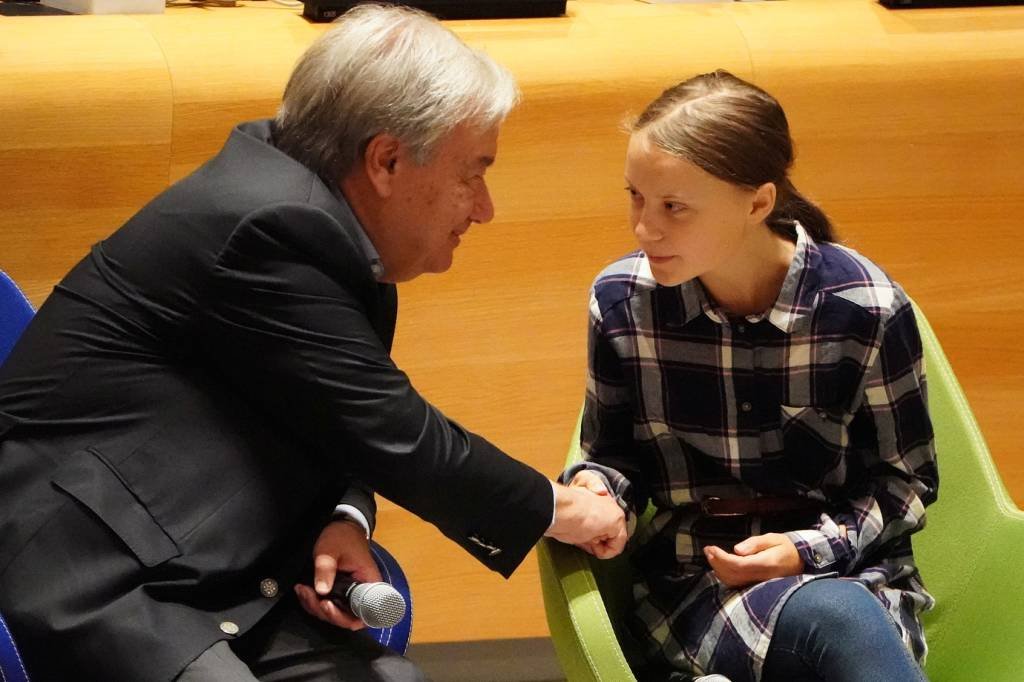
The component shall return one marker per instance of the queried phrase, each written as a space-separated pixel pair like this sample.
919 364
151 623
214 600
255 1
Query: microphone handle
341 592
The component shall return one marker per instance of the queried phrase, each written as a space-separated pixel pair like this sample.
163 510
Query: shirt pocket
89 479
814 441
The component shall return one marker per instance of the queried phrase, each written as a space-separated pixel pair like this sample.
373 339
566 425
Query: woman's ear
379 162
763 203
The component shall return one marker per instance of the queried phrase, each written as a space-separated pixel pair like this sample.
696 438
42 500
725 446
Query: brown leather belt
757 506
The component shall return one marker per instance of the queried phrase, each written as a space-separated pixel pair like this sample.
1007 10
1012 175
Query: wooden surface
909 131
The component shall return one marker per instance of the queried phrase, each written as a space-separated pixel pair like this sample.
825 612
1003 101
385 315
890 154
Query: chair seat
15 313
12 669
397 636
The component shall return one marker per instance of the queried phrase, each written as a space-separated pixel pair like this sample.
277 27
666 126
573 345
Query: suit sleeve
358 498
288 323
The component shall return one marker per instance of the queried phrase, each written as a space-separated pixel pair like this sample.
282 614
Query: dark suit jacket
190 403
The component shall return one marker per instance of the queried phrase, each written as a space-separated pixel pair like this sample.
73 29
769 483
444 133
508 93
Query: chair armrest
581 629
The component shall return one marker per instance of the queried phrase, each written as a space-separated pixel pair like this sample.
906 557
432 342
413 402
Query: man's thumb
325 568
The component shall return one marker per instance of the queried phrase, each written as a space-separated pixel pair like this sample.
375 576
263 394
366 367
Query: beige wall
909 132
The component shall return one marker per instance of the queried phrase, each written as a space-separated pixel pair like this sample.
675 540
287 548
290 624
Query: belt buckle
705 508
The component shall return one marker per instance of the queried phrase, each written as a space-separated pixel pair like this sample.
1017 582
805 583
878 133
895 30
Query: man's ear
379 162
763 203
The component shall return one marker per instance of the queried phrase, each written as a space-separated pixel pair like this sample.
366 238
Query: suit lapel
387 314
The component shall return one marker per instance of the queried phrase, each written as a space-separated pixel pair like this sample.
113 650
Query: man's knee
397 669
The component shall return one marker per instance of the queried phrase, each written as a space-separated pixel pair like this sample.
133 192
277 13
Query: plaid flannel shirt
822 396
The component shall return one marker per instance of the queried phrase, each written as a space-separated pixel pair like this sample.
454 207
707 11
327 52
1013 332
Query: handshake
587 515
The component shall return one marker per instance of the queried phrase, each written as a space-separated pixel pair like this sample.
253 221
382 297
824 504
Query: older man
181 419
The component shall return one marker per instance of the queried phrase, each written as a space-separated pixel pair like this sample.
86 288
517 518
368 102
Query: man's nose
483 207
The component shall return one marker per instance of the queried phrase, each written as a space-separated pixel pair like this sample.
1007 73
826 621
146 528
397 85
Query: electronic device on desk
26 8
329 10
913 4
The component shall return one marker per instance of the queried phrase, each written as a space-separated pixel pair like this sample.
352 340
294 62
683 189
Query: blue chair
11 667
396 637
15 313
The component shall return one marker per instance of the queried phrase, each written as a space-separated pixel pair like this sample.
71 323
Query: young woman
764 387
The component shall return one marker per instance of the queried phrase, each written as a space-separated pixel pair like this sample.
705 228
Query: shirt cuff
347 511
554 504
822 551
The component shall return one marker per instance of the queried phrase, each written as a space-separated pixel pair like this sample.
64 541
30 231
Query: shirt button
746 407
229 628
268 588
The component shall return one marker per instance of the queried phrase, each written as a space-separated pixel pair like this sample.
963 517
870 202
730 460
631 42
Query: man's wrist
554 507
561 508
347 512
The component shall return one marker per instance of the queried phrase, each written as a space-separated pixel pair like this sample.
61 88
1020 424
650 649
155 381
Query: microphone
379 605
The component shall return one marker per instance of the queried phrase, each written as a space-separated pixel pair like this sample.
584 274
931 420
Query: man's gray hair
386 69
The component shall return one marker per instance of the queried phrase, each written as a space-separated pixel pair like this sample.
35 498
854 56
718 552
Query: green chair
968 555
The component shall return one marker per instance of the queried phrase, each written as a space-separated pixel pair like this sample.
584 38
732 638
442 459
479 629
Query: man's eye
674 207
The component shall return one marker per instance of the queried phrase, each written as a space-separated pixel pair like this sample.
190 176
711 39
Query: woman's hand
342 546
590 481
756 559
609 538
602 549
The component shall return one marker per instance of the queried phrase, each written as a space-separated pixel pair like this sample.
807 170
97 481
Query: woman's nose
643 231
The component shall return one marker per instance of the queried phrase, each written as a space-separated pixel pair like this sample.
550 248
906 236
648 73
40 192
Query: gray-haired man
183 416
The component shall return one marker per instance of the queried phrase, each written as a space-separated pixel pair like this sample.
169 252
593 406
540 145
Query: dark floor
505 660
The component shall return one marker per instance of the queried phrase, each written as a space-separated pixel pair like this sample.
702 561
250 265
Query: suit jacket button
229 628
268 588
491 549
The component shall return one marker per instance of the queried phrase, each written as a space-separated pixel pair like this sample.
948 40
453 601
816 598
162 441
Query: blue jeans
837 631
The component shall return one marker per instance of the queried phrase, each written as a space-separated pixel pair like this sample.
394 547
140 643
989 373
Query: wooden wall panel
85 121
908 131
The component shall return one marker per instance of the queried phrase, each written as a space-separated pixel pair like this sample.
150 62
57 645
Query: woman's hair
386 69
738 133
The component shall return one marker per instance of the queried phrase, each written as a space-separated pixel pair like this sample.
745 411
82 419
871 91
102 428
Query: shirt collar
365 245
800 288
795 300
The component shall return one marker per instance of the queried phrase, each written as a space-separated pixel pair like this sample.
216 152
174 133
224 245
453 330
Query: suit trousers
290 645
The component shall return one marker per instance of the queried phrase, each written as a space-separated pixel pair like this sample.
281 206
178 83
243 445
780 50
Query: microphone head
379 605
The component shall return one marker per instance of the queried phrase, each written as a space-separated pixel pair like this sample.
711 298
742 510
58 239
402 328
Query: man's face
433 205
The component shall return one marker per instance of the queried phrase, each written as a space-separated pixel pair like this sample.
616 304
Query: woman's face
687 221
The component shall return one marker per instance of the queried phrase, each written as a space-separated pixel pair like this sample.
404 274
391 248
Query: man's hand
756 559
601 548
342 546
591 520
